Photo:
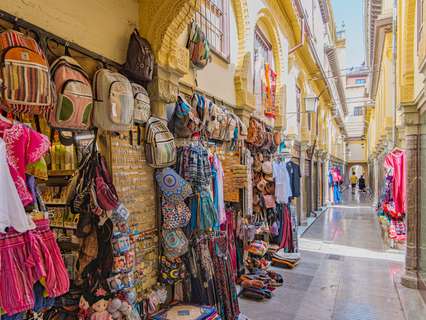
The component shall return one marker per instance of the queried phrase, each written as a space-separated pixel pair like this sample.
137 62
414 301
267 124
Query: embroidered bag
139 65
73 109
175 243
198 46
25 74
160 148
114 101
172 185
142 110
175 215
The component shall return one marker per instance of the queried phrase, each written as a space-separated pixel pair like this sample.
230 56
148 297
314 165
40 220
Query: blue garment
336 193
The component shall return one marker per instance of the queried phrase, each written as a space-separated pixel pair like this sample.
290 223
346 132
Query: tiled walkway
345 272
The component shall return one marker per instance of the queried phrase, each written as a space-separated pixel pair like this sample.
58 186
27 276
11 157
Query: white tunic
12 212
282 182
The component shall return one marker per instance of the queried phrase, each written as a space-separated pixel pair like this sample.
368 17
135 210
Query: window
358 111
213 18
359 81
262 56
420 7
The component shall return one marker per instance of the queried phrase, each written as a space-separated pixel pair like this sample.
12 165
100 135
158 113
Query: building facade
396 59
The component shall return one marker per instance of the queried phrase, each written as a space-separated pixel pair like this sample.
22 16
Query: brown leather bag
139 64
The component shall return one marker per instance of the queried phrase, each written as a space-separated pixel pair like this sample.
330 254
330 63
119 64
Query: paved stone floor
345 272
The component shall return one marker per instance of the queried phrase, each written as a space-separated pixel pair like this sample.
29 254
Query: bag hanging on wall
142 110
175 243
175 215
114 102
160 147
139 65
25 74
173 187
73 109
198 46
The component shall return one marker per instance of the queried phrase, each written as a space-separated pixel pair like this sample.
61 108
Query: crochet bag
73 109
175 215
173 187
142 110
139 65
25 74
175 243
114 102
198 46
160 147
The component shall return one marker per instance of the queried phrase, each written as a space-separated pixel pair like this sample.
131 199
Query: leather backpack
139 64
114 101
73 109
26 85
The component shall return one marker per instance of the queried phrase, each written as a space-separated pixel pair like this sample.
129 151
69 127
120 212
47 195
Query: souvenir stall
78 229
392 203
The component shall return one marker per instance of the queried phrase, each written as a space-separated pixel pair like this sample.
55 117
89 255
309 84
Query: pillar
410 277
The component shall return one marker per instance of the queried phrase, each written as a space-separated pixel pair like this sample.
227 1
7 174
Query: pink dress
396 161
24 146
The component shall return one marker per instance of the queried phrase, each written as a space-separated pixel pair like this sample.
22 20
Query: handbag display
142 110
114 101
106 194
73 109
175 243
26 86
175 215
173 187
139 65
160 147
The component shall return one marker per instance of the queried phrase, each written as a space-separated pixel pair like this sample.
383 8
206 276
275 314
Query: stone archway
161 23
352 165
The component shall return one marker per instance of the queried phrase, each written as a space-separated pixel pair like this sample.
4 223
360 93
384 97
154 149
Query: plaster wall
100 26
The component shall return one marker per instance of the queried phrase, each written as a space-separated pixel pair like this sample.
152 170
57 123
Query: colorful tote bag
114 101
25 74
175 243
173 187
175 215
74 104
160 147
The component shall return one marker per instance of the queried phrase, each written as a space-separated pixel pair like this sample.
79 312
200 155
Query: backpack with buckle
114 101
25 74
74 104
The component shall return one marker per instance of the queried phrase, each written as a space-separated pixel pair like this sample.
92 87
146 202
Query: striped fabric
25 73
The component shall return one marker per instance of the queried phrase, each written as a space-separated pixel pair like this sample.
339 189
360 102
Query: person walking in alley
361 183
354 180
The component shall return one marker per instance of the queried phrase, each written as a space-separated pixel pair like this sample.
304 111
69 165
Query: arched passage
358 168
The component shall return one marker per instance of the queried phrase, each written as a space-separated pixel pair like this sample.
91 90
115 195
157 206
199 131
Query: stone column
303 181
411 120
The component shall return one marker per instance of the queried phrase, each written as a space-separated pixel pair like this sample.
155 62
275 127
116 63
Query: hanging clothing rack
44 37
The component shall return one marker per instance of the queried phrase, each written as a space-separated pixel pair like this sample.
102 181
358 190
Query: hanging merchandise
269 91
395 166
160 148
335 181
173 186
139 66
142 110
114 102
198 46
73 109
22 61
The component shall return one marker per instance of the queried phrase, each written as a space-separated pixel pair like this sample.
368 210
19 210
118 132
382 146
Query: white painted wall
357 152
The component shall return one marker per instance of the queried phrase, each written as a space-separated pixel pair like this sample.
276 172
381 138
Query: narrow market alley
346 273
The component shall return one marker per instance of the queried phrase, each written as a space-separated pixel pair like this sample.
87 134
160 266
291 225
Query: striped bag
160 148
25 74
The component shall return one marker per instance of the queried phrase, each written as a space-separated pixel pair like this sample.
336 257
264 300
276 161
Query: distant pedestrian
361 183
354 180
